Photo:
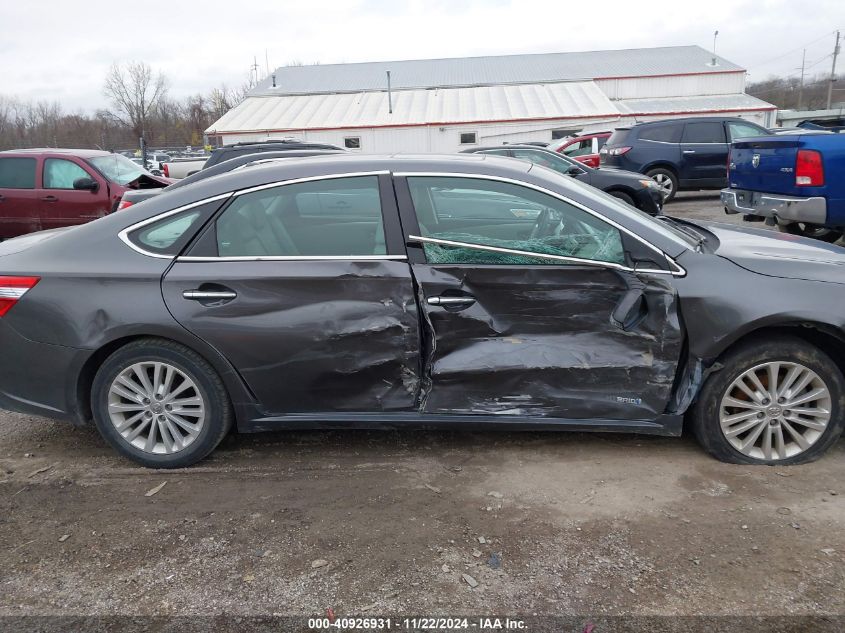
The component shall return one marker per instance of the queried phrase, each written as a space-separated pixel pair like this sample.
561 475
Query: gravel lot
378 523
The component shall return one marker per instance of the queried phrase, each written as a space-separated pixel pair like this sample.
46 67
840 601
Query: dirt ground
375 523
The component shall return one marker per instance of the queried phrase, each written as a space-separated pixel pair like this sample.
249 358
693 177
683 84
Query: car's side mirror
86 184
574 171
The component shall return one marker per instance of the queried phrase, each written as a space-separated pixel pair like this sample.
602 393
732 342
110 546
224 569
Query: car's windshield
118 168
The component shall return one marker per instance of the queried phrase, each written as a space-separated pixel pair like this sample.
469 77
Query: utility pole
801 87
833 71
253 71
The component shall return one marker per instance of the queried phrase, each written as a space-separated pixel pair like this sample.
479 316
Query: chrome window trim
679 270
649 140
296 258
563 258
124 234
294 181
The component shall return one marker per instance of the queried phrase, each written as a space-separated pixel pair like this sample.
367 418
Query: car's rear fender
81 376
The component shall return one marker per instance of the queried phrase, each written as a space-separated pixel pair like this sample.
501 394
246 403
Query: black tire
814 231
624 197
665 178
705 412
218 419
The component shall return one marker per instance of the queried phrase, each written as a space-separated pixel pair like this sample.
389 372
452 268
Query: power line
794 50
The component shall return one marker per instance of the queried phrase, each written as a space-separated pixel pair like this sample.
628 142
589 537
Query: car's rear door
305 287
61 204
19 196
508 333
704 153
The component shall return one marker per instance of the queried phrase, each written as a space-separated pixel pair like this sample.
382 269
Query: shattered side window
499 215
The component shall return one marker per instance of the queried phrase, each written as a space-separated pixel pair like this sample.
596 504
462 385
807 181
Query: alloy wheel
665 183
775 410
156 407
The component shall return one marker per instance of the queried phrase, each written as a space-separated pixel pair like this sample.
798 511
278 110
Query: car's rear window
619 137
168 235
17 173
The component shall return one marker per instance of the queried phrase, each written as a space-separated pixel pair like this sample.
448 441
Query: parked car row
636 189
679 154
53 188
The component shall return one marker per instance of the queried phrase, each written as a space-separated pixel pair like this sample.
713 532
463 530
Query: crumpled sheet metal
313 336
540 343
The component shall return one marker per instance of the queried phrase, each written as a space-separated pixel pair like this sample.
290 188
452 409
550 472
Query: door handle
210 295
451 302
689 151
631 309
50 199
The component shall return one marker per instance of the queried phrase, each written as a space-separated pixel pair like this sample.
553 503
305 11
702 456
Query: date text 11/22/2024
417 623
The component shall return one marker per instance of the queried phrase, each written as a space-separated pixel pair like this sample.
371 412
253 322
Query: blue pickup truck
796 181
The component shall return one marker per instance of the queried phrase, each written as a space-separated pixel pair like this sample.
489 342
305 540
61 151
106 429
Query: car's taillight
124 203
809 169
12 289
166 170
618 151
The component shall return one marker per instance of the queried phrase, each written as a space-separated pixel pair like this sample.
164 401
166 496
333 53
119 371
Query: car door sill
662 425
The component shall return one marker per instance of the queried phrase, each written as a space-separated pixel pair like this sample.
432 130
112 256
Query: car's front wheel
624 197
666 180
778 402
815 231
160 404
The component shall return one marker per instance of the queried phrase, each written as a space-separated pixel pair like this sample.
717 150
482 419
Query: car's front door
306 289
575 334
61 204
704 154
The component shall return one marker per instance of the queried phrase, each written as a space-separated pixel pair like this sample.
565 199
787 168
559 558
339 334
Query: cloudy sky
60 50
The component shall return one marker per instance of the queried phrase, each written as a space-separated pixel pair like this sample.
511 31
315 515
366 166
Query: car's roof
82 153
686 120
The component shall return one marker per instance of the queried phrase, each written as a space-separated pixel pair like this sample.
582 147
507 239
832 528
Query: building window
352 142
469 138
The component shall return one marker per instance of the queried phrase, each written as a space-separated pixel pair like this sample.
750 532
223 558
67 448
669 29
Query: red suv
51 188
582 147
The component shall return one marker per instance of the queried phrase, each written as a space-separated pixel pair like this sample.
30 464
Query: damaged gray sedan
354 291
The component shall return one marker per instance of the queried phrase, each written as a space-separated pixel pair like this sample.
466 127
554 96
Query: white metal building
444 105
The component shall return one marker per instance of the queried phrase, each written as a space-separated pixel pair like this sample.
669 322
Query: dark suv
678 154
228 152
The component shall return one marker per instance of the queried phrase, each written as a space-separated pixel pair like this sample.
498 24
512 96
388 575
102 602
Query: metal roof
493 70
578 99
691 105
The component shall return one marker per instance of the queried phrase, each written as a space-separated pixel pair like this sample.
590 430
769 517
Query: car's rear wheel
771 403
160 404
815 231
666 180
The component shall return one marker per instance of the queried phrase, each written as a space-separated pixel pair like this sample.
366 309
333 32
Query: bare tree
135 93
